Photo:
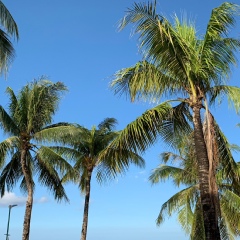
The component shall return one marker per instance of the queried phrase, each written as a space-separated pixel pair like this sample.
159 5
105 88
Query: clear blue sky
77 42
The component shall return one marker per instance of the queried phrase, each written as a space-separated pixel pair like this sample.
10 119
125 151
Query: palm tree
85 148
26 124
9 28
179 62
186 203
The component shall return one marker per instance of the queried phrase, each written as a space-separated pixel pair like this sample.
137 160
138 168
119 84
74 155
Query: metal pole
9 213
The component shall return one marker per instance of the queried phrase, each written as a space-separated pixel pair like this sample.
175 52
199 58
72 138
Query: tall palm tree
85 148
9 29
22 157
186 203
179 62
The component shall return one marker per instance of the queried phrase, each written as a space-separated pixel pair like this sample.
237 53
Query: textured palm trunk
29 202
206 195
212 146
86 206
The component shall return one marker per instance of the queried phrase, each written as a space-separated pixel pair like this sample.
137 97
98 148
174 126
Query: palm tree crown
22 155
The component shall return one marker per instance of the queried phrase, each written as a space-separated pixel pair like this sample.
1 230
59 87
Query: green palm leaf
176 202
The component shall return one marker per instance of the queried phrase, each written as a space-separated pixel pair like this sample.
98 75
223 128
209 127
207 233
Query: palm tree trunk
208 206
29 202
86 206
213 153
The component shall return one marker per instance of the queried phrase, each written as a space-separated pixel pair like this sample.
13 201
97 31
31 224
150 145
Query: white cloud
10 198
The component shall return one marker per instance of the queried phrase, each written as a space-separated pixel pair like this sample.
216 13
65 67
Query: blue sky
77 42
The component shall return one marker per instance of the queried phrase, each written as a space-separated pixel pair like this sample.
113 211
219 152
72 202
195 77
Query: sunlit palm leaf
231 92
48 176
176 202
163 120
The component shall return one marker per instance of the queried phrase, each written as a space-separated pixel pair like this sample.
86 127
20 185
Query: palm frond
7 21
177 201
113 161
222 18
11 173
227 168
7 52
13 100
48 176
7 123
185 216
217 51
108 124
230 214
53 159
231 92
57 133
8 147
169 156
43 103
144 81
163 172
161 121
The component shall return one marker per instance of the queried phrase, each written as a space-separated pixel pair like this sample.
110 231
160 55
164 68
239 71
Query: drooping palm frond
7 52
170 156
9 29
163 120
176 202
7 21
230 214
113 161
53 159
163 172
227 167
232 93
48 176
186 215
8 147
11 173
224 230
